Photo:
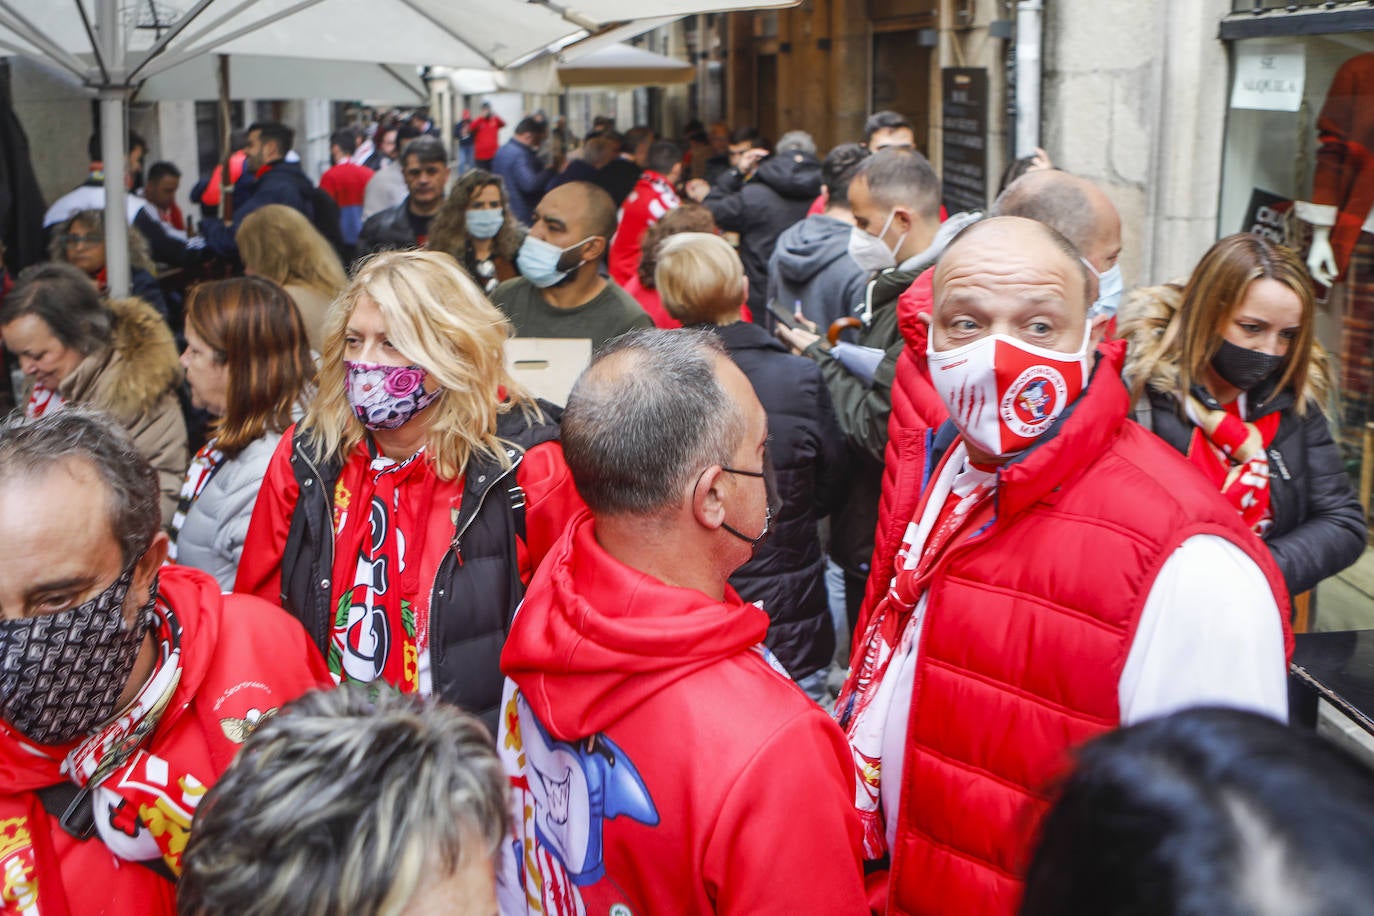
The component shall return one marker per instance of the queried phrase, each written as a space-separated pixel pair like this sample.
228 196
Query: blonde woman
401 519
1228 371
279 243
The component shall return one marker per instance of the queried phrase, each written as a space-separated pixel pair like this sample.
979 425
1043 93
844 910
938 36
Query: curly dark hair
686 218
449 233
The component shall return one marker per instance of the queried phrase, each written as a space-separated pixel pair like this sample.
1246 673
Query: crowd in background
880 559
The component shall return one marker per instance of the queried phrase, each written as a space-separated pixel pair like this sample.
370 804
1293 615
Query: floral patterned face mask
386 397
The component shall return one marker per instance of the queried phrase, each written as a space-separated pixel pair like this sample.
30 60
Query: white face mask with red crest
1004 393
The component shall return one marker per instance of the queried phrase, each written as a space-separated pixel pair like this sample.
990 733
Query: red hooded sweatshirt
658 762
241 661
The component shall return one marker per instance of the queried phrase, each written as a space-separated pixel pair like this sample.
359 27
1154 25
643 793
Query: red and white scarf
42 401
957 504
203 468
377 634
1231 453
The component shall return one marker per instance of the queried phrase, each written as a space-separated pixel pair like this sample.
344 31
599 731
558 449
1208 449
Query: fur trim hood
1144 317
138 368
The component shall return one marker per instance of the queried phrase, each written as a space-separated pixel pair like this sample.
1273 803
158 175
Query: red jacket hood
916 300
595 638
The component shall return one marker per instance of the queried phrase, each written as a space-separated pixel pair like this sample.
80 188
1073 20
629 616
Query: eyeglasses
72 241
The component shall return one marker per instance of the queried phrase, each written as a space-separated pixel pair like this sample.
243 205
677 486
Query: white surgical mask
869 251
1110 286
1004 393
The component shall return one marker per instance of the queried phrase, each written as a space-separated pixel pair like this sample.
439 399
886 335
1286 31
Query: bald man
1078 210
1062 572
560 292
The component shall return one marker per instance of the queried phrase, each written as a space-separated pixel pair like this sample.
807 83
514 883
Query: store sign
964 104
1267 216
1269 77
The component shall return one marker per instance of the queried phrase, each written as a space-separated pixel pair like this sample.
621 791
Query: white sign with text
1269 77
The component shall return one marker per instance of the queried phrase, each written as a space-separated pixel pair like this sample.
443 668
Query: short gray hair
345 803
82 434
647 415
797 141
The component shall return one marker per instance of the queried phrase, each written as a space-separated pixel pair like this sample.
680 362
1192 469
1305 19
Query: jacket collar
745 335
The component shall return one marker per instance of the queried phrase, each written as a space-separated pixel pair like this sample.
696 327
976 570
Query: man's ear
1098 330
708 498
596 247
902 220
147 568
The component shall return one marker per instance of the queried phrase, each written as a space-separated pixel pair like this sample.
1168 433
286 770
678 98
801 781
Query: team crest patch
237 730
1034 400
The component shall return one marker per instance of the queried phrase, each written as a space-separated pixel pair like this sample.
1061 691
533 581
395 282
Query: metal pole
114 138
1029 29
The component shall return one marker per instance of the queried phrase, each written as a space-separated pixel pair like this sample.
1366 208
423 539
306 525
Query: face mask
386 397
1003 393
541 262
484 224
774 501
1244 368
62 674
1109 289
869 251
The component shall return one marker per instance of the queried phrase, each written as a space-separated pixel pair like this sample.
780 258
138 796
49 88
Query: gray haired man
126 686
659 762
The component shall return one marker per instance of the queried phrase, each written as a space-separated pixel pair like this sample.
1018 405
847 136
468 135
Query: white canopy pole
114 138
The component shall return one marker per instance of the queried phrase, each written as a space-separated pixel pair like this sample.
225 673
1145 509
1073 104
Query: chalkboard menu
965 146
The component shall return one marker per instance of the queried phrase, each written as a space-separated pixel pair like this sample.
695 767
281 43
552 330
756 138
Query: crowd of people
881 559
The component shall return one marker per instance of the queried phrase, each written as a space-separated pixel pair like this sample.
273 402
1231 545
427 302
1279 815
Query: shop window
1299 136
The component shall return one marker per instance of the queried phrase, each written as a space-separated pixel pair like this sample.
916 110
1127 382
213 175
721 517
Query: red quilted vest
1027 630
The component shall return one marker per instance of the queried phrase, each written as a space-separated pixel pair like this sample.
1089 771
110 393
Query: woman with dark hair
476 227
1228 371
118 357
1208 811
248 363
79 240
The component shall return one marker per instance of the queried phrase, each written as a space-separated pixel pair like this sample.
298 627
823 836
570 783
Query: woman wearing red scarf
80 241
1228 371
401 519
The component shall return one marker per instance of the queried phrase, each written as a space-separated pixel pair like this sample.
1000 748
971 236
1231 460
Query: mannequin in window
1342 216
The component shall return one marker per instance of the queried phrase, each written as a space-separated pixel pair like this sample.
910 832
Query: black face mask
1244 368
61 675
770 486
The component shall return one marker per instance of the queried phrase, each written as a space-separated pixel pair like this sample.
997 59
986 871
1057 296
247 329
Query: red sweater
486 136
240 659
651 198
668 768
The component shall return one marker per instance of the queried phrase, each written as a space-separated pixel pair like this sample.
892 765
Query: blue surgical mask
484 224
1110 286
541 262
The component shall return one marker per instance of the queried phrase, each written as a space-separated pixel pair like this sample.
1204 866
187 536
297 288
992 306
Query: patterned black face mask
62 674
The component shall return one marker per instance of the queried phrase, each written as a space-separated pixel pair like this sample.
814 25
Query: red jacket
1344 176
651 302
680 773
486 133
241 659
651 198
1019 633
345 182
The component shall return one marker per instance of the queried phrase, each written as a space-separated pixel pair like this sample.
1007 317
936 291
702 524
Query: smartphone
786 318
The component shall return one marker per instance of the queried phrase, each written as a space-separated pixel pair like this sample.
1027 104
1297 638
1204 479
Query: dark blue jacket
525 180
787 572
283 183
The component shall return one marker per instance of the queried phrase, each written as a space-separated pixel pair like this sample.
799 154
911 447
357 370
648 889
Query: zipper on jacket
326 550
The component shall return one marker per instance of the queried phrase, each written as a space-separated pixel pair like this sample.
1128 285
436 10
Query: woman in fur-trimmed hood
116 356
1227 369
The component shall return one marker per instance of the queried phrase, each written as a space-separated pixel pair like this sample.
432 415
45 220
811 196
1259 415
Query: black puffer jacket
476 588
387 230
778 194
1319 528
787 574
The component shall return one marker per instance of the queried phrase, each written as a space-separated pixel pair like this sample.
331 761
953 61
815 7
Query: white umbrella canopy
114 45
624 66
257 77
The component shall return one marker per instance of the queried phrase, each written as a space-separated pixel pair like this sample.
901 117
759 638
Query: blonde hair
279 243
1209 299
699 277
437 318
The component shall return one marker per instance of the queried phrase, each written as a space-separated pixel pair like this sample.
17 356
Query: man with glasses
126 686
659 762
